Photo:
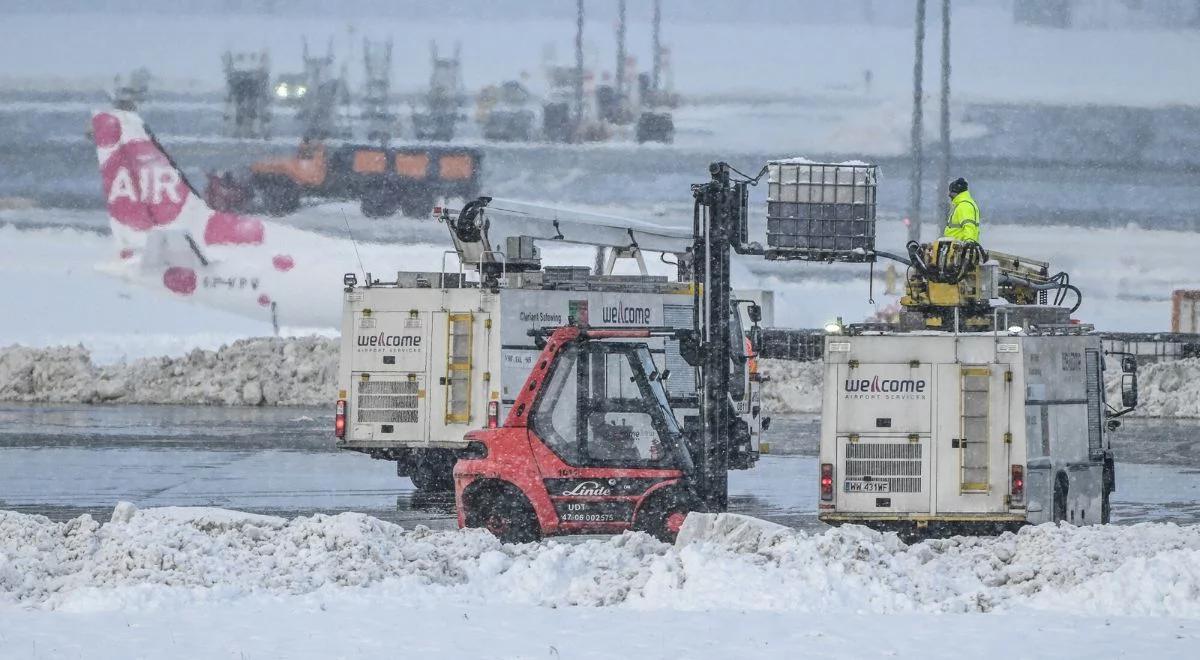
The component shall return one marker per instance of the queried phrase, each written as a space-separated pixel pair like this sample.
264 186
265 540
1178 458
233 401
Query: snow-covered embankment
730 562
303 371
261 371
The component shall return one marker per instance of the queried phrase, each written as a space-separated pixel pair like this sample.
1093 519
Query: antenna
355 244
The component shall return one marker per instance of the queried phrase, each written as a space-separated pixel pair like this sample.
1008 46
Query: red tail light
493 414
1018 482
339 419
827 482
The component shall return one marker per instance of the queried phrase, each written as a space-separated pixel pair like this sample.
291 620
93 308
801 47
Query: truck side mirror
1129 364
754 312
1129 390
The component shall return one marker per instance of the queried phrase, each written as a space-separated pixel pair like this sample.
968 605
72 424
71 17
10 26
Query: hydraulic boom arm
482 228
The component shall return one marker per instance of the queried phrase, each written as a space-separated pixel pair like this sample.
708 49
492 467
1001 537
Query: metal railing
808 345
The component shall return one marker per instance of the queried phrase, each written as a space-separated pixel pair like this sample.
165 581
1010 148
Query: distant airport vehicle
384 178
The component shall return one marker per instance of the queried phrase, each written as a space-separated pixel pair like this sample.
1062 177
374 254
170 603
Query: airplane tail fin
145 191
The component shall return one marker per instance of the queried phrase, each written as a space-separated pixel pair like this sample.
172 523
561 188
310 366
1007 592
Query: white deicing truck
430 356
974 418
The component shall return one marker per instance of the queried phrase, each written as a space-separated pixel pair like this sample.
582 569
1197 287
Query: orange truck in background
383 179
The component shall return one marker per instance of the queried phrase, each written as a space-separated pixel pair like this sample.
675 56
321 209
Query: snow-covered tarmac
217 583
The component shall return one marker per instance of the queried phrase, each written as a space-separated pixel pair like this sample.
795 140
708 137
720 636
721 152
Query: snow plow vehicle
383 178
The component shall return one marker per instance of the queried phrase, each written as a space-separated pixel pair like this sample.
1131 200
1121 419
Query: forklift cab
591 445
604 404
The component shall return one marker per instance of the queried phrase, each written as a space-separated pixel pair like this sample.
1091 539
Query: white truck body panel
927 426
409 383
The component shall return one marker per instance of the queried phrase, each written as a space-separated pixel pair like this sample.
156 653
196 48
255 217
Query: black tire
416 205
377 204
661 514
1061 489
502 510
280 196
433 471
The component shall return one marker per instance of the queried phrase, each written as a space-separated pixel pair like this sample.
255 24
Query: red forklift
592 445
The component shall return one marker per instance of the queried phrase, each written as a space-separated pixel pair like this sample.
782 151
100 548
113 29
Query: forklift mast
719 225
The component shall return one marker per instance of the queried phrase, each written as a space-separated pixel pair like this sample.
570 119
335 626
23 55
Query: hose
950 265
893 257
1052 285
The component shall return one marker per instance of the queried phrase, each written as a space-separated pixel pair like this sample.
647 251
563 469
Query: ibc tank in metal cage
821 211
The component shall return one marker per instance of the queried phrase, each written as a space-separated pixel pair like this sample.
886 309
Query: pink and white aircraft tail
167 238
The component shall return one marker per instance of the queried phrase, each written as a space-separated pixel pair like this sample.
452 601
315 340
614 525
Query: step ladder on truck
427 357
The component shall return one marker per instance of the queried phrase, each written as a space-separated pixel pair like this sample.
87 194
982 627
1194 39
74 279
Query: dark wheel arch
501 508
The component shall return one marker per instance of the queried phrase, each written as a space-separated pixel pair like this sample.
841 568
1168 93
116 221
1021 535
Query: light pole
943 198
914 209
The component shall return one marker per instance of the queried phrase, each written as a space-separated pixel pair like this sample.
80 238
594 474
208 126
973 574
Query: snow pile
794 387
724 562
261 371
1165 389
303 371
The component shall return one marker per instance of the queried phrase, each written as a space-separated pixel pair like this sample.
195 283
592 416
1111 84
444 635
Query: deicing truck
968 416
430 356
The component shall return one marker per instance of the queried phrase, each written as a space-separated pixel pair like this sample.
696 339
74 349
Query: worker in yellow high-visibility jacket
963 222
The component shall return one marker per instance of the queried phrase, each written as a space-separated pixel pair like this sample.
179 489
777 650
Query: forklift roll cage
592 397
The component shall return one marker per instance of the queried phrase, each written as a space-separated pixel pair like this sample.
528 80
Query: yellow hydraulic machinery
949 280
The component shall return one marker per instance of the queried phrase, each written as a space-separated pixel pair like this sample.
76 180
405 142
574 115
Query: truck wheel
504 511
1061 486
416 206
377 204
279 196
433 471
662 516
